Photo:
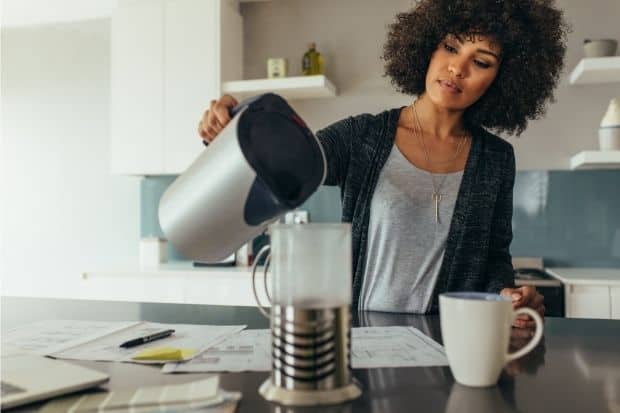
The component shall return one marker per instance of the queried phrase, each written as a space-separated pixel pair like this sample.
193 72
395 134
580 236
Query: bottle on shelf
312 62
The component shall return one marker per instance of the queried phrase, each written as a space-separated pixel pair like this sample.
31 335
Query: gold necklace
420 134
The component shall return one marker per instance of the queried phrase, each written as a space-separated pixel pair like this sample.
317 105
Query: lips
450 86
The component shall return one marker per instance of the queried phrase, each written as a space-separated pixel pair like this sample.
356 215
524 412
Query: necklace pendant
436 198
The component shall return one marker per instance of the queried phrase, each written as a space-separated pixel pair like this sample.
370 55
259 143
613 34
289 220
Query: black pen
146 339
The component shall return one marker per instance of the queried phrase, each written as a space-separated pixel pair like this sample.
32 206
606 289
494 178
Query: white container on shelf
600 47
609 131
152 252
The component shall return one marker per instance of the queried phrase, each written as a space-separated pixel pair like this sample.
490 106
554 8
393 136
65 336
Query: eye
481 64
449 48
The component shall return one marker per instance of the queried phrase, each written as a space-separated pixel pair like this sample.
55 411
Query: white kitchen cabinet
169 59
590 292
136 94
588 301
615 303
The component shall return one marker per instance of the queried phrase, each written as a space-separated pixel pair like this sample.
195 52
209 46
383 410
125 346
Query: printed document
371 347
99 341
374 347
48 337
247 351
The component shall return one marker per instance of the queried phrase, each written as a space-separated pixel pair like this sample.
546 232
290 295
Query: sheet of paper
47 337
186 336
399 346
247 351
371 347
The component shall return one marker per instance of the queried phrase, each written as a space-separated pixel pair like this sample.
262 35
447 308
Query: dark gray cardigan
477 256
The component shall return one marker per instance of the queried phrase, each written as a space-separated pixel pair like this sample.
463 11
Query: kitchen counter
575 368
175 282
587 276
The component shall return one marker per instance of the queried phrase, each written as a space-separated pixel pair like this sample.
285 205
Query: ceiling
33 12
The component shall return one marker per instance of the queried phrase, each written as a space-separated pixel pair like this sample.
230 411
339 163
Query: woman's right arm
335 138
336 142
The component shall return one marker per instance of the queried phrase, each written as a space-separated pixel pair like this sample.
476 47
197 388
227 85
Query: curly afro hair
532 35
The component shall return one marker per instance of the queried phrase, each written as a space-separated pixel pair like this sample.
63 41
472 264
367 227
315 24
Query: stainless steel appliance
531 271
264 163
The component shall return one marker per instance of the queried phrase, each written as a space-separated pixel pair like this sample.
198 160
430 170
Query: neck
439 122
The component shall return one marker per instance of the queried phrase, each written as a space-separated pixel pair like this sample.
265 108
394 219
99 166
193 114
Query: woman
427 188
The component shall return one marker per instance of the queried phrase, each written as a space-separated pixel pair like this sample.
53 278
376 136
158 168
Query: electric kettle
264 163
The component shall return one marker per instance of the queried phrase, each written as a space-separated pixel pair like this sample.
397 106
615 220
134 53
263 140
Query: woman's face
461 70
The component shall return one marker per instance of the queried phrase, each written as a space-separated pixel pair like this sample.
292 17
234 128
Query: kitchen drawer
615 302
588 301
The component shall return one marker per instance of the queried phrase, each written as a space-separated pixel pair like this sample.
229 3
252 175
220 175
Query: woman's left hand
525 296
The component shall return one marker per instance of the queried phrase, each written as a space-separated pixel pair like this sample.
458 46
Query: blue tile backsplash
570 218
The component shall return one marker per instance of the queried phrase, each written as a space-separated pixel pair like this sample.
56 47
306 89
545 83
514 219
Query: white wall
63 213
351 34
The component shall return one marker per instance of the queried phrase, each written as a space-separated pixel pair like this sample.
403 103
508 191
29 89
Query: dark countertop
576 368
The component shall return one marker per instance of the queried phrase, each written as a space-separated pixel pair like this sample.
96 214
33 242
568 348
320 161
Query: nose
457 67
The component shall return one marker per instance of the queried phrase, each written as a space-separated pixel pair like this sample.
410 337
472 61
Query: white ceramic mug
476 333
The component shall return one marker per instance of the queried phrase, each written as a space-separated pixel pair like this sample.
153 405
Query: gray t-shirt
405 243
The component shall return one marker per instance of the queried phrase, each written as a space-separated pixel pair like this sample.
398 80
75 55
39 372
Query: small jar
277 67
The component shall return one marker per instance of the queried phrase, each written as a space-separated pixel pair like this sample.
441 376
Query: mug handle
537 335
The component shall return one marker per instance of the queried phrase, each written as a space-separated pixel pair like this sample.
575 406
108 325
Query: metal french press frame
310 351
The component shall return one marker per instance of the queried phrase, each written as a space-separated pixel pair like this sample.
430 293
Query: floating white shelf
596 70
596 160
297 87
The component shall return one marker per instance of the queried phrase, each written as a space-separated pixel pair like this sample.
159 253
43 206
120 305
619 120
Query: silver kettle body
265 162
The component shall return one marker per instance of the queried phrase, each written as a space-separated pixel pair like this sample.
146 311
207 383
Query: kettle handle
260 254
243 104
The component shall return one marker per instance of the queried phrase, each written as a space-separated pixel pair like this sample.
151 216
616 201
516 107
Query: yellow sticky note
164 353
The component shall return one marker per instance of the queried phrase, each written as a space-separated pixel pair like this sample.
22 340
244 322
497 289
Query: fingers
515 294
537 304
209 126
216 117
221 111
526 324
520 335
525 321
525 296
537 301
228 102
221 115
528 293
